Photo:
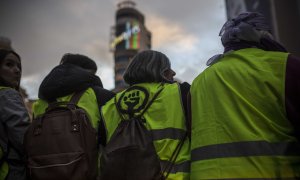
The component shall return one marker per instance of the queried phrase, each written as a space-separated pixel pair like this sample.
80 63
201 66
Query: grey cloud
43 30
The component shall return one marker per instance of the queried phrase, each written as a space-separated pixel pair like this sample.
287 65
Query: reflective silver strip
249 148
181 167
168 133
55 165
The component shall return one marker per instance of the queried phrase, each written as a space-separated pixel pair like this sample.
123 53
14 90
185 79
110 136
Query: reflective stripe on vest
164 119
168 133
180 167
239 149
88 102
240 128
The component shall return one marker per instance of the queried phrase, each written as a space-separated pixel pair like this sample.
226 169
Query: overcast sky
43 30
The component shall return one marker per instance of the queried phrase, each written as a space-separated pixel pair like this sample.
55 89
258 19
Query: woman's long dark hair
3 54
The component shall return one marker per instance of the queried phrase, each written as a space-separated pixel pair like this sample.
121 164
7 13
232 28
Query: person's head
81 61
5 43
249 27
10 69
149 66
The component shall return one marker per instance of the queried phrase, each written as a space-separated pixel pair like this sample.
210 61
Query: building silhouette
128 37
283 16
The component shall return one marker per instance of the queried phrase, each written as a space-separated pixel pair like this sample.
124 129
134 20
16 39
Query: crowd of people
237 120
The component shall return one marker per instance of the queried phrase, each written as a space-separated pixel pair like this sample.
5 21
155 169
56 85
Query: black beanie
79 60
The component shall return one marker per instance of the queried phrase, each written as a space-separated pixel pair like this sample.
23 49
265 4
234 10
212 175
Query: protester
245 107
76 73
148 73
14 117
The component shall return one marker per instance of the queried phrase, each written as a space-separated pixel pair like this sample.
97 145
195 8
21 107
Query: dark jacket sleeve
103 95
14 123
14 117
185 89
292 92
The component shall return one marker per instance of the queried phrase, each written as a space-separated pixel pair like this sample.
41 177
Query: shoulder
102 95
11 104
182 86
10 94
103 92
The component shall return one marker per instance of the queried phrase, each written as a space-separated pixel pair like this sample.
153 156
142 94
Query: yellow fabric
165 112
88 102
4 170
225 109
245 167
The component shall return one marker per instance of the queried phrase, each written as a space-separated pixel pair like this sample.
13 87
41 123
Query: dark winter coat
14 120
67 78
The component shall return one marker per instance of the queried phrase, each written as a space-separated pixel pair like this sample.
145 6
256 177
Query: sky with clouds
43 30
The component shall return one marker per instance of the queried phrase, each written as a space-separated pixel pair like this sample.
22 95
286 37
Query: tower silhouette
128 37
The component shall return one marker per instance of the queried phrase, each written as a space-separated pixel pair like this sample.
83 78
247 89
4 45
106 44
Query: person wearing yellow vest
148 72
75 73
14 118
245 107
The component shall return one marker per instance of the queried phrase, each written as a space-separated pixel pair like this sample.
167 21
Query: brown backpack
62 144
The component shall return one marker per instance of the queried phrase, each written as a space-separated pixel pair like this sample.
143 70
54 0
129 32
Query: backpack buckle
75 127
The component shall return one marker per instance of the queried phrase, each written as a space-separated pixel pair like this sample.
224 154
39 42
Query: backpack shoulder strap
75 98
151 101
102 135
118 108
174 156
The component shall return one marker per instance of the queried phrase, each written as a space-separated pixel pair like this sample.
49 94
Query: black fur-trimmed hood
65 79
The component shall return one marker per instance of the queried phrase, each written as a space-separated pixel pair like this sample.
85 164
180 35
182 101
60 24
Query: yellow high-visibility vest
164 119
239 123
